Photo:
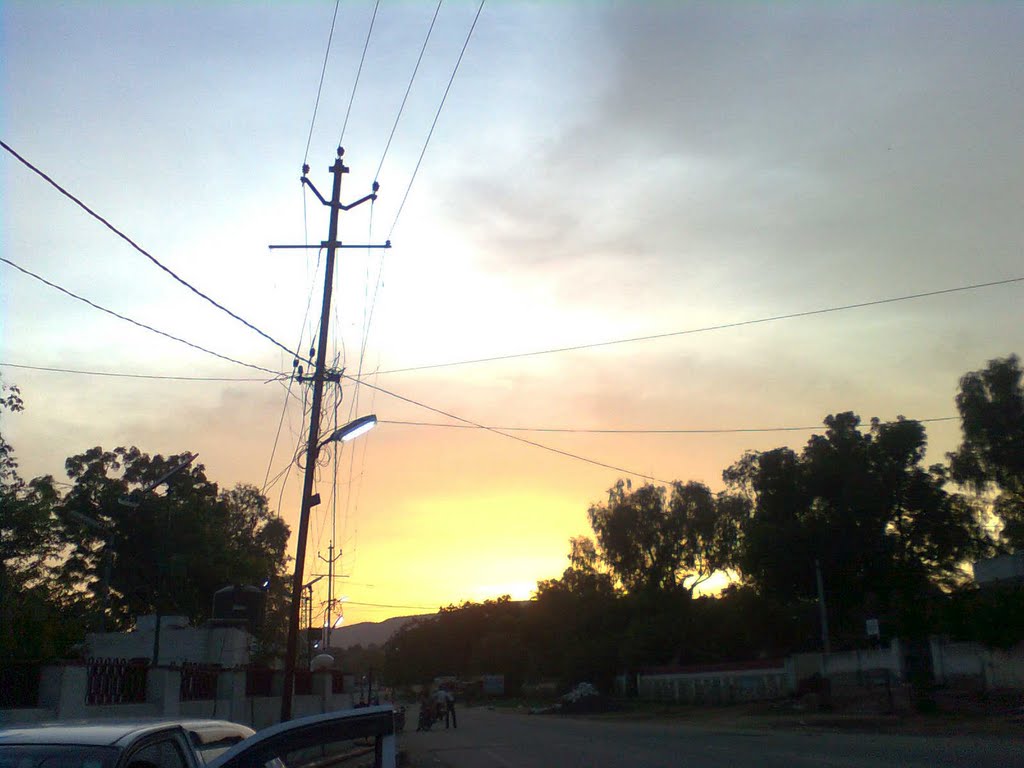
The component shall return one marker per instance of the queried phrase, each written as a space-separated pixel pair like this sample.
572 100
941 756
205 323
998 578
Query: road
492 739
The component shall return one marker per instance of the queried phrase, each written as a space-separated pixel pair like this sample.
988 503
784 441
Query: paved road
489 739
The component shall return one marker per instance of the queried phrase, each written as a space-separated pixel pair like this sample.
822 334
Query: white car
334 739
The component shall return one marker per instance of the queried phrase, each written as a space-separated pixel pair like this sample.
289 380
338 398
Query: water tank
240 604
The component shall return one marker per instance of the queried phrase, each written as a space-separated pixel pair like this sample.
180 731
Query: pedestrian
450 710
441 704
426 716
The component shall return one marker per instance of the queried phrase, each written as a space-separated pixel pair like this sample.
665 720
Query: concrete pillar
896 659
322 689
62 689
163 688
987 668
935 644
231 696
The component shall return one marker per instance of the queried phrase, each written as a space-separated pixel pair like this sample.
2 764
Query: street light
348 432
352 430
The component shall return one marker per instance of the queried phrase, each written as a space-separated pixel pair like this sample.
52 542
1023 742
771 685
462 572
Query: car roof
108 732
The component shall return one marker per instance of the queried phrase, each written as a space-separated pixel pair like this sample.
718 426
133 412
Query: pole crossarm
325 244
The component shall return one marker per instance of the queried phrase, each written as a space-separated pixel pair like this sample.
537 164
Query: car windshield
56 756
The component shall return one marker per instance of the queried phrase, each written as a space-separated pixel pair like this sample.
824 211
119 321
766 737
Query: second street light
348 432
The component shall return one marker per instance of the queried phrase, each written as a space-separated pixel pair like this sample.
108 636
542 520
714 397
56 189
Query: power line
511 436
586 431
139 248
359 71
398 423
385 605
136 322
298 348
320 87
408 89
707 328
433 125
122 375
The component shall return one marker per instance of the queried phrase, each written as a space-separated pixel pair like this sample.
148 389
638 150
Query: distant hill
370 632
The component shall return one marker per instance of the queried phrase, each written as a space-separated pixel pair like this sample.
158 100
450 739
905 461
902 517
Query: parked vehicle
119 744
202 743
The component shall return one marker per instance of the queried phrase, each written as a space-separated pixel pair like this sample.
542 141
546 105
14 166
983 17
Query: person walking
450 710
441 704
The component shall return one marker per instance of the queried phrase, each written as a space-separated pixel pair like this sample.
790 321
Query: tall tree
652 542
170 550
883 527
990 458
46 625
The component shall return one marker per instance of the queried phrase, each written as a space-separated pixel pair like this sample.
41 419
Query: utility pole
330 560
309 500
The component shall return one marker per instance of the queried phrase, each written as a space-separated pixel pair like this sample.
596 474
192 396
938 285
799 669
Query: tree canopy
169 548
991 455
650 541
882 526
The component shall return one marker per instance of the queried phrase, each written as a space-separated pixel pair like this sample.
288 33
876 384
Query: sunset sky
599 171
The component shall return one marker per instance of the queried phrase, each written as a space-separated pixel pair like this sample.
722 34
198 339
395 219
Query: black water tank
240 604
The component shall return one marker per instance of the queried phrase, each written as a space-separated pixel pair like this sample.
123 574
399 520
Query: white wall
179 644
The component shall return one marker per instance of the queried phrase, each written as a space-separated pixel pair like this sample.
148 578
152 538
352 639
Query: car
118 744
334 737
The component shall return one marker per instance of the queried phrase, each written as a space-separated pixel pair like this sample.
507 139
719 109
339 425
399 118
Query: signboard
871 625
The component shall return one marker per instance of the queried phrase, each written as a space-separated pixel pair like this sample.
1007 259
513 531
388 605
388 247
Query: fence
115 681
259 682
122 689
198 682
717 684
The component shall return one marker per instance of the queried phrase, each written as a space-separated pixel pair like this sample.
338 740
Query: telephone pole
331 559
309 499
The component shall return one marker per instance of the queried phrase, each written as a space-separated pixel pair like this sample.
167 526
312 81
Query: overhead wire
510 436
319 88
437 115
408 89
139 248
641 431
386 605
706 328
359 71
405 423
127 319
125 375
364 339
291 379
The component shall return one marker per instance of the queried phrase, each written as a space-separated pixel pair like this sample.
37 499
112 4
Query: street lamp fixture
352 430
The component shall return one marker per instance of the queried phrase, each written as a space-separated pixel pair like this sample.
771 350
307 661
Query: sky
598 171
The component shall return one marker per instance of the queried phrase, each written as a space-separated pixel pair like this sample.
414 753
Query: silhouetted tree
991 456
884 528
38 621
173 549
652 543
